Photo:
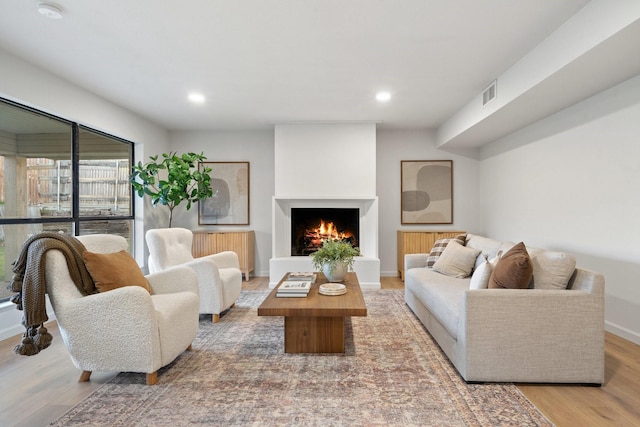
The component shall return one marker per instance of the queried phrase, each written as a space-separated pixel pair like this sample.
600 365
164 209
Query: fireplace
364 227
331 185
310 226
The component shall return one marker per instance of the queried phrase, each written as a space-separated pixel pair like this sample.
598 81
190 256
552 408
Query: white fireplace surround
367 266
349 182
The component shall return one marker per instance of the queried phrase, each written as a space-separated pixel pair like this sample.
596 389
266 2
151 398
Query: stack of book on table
294 288
302 276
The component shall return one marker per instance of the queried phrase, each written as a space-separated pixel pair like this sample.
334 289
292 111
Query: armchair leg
152 378
190 348
215 318
233 305
84 376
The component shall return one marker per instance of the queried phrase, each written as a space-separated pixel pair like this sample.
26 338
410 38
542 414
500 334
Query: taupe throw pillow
552 270
513 271
114 270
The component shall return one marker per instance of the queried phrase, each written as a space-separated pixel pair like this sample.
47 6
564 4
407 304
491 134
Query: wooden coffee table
316 324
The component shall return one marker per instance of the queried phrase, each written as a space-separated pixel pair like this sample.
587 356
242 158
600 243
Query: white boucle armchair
125 329
219 275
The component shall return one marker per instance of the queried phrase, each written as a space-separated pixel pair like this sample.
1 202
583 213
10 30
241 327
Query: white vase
338 273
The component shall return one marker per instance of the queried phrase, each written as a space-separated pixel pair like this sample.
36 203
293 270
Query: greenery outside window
56 175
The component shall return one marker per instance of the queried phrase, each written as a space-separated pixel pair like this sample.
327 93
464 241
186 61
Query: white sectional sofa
513 335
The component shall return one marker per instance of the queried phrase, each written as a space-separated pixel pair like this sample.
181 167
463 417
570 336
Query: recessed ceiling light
383 96
50 10
196 98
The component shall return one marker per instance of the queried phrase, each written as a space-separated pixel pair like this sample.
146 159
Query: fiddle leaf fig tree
172 180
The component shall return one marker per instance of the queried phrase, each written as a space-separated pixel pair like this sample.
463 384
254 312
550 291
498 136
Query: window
56 175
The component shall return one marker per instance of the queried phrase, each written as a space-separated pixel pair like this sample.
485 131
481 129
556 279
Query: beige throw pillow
456 260
552 270
114 270
439 247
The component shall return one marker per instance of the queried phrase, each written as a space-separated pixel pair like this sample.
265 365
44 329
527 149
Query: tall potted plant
335 258
172 180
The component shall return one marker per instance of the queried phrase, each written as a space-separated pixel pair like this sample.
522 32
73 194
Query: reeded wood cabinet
240 242
418 242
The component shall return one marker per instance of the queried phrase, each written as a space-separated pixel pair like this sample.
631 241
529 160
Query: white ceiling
261 62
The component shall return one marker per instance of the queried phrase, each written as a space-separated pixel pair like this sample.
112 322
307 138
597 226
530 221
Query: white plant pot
338 273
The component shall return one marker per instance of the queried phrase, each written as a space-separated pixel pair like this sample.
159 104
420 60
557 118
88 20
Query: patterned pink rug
391 374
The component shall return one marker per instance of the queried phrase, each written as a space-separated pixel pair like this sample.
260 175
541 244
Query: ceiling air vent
489 94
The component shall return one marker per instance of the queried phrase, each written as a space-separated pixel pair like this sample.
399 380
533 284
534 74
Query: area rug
392 374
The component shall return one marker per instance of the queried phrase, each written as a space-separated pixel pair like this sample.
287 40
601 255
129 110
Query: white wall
396 145
572 182
325 160
255 147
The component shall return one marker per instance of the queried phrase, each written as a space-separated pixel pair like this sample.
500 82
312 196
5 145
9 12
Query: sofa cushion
504 248
481 275
533 251
513 270
456 260
114 270
489 247
441 295
440 245
552 270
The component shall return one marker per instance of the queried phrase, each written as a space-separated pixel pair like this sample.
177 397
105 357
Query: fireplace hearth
310 226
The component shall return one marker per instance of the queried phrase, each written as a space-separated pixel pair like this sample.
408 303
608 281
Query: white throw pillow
481 259
552 270
480 277
456 260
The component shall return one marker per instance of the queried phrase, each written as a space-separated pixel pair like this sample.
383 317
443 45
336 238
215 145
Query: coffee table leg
314 334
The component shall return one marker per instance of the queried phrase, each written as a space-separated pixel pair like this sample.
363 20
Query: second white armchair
219 275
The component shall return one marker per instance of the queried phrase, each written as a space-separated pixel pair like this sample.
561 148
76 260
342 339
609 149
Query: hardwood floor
616 403
38 390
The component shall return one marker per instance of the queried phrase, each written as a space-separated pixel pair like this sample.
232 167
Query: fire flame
326 230
329 231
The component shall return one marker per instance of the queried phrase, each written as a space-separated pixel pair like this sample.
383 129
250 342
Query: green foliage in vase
172 180
334 252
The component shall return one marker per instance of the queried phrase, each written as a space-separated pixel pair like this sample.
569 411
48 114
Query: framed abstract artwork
426 191
229 204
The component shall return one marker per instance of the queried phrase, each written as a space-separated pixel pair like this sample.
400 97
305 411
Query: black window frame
76 220
75 217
